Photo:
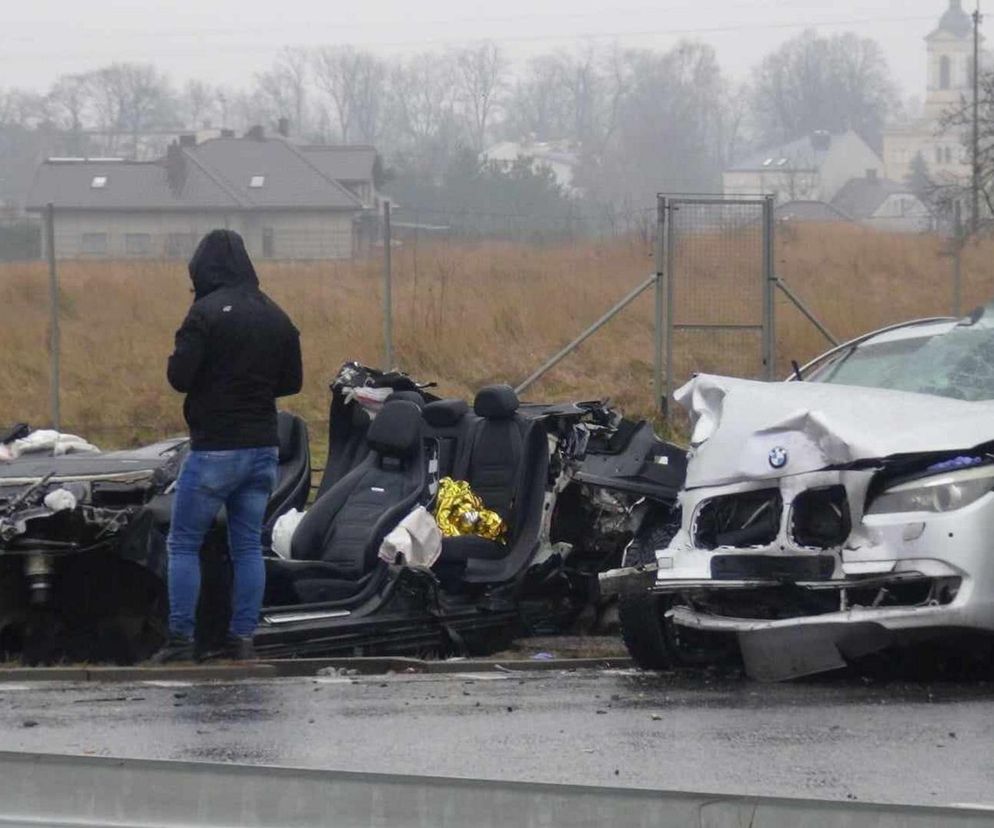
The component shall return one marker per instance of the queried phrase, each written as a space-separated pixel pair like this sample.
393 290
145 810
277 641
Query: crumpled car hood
743 428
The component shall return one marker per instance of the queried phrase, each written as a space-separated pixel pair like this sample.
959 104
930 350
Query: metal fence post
668 250
660 310
387 291
54 333
957 259
769 289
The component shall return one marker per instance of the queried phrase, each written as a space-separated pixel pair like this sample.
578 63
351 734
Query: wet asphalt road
899 742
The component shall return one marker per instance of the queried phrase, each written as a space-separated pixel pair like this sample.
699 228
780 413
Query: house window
944 72
938 155
137 244
948 155
98 182
180 245
94 244
268 243
257 181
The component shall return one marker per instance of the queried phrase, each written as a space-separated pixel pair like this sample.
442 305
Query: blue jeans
241 480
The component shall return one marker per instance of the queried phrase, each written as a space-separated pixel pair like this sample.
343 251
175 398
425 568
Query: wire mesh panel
718 266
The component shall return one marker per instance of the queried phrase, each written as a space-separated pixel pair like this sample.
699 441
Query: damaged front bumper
800 608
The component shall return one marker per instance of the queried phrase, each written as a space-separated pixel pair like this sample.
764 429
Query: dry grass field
465 315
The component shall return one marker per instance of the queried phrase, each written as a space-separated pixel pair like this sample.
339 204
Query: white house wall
849 157
291 234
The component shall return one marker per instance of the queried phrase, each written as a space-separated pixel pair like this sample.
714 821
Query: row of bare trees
639 119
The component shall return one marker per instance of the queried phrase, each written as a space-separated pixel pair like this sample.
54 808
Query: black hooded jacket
236 351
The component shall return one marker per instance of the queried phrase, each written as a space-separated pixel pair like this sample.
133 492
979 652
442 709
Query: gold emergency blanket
459 511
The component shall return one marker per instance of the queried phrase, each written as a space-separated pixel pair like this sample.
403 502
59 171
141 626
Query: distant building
949 81
816 212
883 204
559 156
288 202
812 168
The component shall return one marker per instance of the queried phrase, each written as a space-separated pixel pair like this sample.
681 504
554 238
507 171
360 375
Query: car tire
641 619
654 642
640 614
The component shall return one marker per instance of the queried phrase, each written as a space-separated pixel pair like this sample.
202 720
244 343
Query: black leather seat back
493 463
293 475
507 464
450 424
345 526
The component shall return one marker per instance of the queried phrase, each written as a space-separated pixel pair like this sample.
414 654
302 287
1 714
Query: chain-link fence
719 271
467 311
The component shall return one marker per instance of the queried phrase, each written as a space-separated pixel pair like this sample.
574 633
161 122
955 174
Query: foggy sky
226 41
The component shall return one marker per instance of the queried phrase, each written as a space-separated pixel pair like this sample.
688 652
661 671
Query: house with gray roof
883 204
811 168
288 202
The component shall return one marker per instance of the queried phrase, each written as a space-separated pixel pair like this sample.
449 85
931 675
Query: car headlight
940 493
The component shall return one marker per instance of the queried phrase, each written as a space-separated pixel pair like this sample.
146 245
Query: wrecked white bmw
838 516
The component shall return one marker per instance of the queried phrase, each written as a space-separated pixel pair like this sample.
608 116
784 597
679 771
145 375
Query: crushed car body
82 537
824 521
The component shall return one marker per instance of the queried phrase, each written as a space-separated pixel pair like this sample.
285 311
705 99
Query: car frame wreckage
83 558
846 518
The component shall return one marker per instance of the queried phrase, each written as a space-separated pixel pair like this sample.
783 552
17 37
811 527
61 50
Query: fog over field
227 40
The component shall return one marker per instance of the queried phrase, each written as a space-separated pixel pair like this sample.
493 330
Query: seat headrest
396 430
411 396
286 430
445 413
496 402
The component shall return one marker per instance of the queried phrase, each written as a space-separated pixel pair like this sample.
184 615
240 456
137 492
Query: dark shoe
235 648
239 648
177 648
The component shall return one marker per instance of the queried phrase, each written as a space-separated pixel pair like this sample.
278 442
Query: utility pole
55 349
387 291
975 184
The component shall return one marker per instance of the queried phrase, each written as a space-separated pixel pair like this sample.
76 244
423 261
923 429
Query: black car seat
348 425
342 531
506 461
293 475
449 424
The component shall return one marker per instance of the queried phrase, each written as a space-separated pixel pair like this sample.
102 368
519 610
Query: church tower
950 62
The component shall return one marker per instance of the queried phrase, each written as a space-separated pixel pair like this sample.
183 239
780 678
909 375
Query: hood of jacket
221 260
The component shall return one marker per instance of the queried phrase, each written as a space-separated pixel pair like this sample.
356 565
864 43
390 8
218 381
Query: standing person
235 353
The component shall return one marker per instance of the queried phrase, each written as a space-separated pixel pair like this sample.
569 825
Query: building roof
954 21
862 197
127 185
342 162
802 210
807 153
223 173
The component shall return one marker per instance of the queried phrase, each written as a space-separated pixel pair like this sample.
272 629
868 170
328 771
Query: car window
958 363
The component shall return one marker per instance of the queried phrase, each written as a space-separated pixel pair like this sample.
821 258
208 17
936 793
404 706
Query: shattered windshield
958 363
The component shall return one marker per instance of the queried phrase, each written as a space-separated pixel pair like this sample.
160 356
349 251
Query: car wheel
641 622
640 614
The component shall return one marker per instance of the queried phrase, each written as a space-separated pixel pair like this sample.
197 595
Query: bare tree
669 127
282 90
354 84
537 106
422 112
198 104
945 191
22 107
481 75
128 99
814 82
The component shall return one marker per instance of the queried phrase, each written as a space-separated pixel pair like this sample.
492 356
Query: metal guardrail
70 791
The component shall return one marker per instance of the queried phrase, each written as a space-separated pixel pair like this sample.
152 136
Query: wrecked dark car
82 537
841 518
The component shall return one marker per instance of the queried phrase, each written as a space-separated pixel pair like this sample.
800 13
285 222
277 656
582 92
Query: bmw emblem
778 457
